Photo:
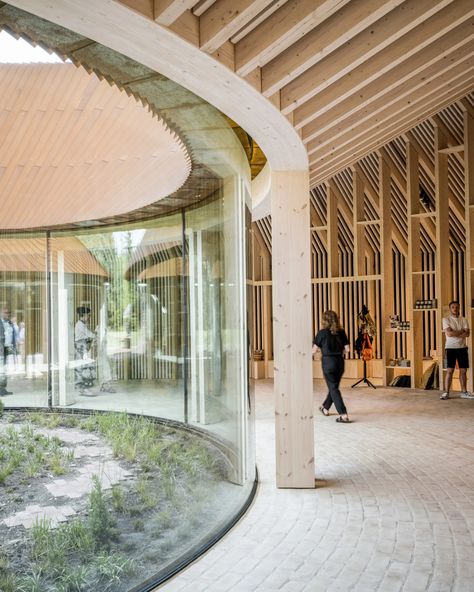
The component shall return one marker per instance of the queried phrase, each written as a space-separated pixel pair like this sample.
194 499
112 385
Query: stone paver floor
393 510
33 514
75 485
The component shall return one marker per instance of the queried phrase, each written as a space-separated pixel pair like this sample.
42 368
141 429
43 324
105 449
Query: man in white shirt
84 374
456 328
7 347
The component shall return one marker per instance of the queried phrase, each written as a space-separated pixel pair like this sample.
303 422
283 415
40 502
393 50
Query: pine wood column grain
292 329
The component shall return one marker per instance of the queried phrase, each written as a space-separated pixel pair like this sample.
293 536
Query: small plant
32 583
144 492
118 499
100 521
111 569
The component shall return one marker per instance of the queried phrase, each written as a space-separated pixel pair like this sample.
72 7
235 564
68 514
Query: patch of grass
118 499
8 580
144 492
139 526
111 569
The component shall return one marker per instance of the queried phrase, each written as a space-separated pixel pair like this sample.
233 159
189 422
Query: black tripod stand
364 379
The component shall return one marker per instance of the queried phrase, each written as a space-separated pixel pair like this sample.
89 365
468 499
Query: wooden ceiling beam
222 20
166 12
201 7
413 69
144 7
388 50
285 26
405 97
253 24
401 33
397 114
322 40
331 164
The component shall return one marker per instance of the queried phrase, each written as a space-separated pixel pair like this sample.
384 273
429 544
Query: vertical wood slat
468 122
442 232
387 298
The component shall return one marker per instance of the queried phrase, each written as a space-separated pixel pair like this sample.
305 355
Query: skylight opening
19 51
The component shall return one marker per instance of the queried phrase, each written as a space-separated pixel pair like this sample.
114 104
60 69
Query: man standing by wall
7 347
456 328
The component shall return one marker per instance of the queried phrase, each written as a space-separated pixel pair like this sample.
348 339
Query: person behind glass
333 343
84 374
456 328
7 347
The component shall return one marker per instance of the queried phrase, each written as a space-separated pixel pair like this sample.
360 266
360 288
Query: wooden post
414 268
292 329
333 246
386 257
469 202
442 241
359 231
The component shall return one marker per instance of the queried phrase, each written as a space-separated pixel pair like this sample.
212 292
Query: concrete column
292 329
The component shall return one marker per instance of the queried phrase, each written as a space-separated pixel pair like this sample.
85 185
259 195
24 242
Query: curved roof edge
132 34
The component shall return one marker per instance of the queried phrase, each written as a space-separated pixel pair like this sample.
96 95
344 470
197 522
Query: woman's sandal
341 419
324 411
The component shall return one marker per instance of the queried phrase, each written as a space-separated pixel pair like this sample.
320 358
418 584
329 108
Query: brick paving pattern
393 510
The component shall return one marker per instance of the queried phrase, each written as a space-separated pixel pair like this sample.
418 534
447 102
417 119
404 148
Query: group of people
333 343
12 339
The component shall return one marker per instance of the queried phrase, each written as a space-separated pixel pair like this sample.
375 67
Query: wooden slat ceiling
351 75
52 173
28 255
422 136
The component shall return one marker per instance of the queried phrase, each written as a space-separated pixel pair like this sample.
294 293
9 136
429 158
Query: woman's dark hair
331 321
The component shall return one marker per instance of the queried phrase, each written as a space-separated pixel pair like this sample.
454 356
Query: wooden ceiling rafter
335 67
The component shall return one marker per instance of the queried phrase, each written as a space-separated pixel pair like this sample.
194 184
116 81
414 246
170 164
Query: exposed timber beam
367 58
223 20
384 131
357 124
285 26
167 11
426 63
322 40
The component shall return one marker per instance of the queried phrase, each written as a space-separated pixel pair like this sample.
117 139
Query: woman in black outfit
333 343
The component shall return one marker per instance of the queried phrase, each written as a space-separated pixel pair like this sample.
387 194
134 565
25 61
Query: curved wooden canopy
28 255
74 148
350 75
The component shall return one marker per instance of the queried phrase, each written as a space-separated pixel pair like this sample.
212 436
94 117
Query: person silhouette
7 347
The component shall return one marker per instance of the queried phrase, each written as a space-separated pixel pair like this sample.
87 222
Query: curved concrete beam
132 34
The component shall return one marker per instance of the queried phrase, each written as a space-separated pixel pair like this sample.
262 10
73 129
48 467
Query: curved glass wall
147 318
142 317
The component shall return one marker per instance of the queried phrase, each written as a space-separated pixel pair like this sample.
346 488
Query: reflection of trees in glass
115 259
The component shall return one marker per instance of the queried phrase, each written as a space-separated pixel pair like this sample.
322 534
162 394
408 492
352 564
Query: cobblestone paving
393 508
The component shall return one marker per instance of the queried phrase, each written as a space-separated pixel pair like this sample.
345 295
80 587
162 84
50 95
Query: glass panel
23 329
217 322
117 319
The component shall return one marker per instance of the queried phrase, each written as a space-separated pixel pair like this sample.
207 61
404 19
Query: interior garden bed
102 501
